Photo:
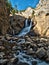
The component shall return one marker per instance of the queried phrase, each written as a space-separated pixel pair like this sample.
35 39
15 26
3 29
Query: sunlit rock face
42 17
42 6
28 12
4 18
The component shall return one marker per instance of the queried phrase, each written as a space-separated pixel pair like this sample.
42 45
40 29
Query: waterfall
26 22
25 30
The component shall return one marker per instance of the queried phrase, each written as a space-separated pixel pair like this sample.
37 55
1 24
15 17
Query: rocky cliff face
42 17
28 12
4 18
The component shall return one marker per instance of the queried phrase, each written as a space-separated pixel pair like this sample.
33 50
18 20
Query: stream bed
24 51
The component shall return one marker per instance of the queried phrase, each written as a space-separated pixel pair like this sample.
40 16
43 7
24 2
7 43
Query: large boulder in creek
42 18
4 17
41 53
17 22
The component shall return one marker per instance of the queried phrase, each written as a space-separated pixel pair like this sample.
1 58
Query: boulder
30 51
3 61
41 53
14 61
2 54
48 53
47 60
17 23
34 62
22 63
2 47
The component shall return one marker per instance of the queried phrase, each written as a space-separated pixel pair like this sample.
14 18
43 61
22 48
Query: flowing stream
28 59
22 33
26 29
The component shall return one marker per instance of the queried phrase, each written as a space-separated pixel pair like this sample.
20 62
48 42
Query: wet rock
48 53
35 47
34 56
40 45
8 38
1 37
26 56
24 48
46 48
17 52
27 44
28 39
8 46
34 62
30 51
21 41
14 48
22 63
3 61
1 43
14 60
41 52
19 48
47 59
2 54
43 40
9 63
2 48
11 41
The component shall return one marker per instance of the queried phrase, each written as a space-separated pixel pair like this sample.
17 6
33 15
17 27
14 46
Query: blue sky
23 4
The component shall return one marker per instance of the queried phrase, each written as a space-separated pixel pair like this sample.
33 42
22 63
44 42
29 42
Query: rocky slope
27 51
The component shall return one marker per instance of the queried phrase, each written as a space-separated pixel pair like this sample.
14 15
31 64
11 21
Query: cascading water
26 22
25 30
